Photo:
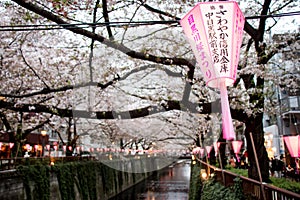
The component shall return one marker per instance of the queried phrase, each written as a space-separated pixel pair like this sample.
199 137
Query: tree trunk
255 126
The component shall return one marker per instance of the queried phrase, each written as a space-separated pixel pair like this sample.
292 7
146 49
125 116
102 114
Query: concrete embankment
75 180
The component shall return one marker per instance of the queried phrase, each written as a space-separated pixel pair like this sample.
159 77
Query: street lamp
44 133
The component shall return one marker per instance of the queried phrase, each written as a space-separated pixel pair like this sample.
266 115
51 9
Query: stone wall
74 180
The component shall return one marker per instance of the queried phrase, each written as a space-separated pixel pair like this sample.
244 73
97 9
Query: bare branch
5 121
34 72
106 18
159 11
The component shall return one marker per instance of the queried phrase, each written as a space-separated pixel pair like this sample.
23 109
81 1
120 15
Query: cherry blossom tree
125 69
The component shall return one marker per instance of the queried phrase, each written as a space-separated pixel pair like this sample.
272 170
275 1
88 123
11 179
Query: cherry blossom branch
60 89
48 90
131 114
113 44
34 72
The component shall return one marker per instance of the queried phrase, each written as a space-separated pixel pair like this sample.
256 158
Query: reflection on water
171 183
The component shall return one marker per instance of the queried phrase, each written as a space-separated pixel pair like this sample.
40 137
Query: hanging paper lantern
27 146
293 145
208 150
214 31
201 152
11 145
48 147
196 150
237 145
216 147
64 147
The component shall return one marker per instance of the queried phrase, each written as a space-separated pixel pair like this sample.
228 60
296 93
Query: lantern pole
208 150
220 161
228 131
258 168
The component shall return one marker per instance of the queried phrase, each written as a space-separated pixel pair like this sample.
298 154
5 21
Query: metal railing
251 187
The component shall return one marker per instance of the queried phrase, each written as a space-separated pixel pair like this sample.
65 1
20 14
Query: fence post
258 168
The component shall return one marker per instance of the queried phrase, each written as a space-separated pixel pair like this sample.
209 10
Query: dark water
171 183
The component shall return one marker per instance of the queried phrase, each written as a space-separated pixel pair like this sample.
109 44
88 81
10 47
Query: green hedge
195 182
213 190
283 183
287 184
210 189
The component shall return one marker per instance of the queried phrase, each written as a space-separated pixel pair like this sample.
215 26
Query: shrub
214 190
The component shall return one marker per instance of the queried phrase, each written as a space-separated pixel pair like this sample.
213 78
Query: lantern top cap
211 2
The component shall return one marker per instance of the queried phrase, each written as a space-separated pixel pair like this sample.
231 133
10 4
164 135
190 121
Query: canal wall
73 180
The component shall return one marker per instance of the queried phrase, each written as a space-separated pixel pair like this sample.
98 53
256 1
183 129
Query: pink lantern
237 145
214 31
64 147
36 147
293 145
208 150
216 147
201 152
11 144
27 147
70 148
0 146
55 147
77 149
196 150
48 147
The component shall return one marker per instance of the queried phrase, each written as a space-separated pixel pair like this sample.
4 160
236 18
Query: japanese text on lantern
239 27
199 46
218 36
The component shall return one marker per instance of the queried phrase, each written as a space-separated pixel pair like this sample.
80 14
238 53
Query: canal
168 184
